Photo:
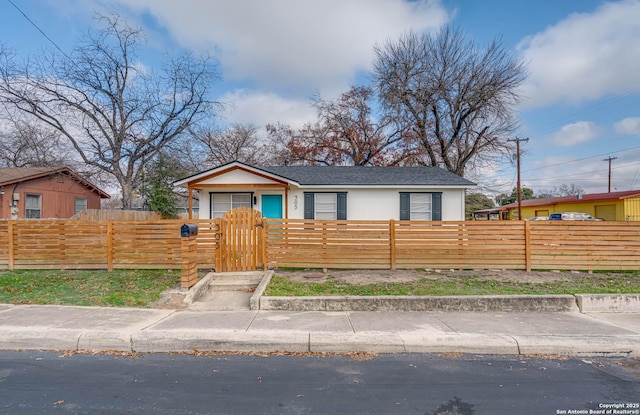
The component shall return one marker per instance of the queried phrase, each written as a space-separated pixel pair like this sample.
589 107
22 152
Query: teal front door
272 206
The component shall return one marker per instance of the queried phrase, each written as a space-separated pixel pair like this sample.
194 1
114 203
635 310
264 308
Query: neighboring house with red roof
620 206
45 193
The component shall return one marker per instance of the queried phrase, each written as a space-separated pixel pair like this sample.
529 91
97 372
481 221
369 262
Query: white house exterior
331 192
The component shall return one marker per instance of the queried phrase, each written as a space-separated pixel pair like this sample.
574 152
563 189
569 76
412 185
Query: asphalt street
118 383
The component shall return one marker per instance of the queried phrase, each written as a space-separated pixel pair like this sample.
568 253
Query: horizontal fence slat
50 244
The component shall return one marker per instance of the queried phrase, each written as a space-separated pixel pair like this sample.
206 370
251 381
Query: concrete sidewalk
159 330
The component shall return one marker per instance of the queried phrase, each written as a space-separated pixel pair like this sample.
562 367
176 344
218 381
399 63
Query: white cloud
266 108
300 46
628 126
585 56
576 133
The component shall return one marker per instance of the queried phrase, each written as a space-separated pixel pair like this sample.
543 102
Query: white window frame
326 209
83 207
30 210
421 209
231 203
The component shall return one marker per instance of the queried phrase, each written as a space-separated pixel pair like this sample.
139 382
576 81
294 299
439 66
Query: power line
635 177
581 159
582 173
38 28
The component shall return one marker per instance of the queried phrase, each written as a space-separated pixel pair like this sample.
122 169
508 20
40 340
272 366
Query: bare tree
563 190
570 190
24 144
457 98
115 113
347 133
279 139
239 142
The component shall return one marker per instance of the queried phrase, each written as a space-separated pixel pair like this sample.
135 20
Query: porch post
286 202
190 203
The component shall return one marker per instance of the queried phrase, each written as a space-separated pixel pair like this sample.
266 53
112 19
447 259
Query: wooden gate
242 241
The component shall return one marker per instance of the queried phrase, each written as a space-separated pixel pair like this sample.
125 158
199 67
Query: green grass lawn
626 283
119 288
140 288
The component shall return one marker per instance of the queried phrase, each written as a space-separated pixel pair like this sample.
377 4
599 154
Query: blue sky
581 100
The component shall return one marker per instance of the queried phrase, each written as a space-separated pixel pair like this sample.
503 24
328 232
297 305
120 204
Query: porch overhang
240 187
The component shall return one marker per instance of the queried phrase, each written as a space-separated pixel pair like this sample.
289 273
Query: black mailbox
188 230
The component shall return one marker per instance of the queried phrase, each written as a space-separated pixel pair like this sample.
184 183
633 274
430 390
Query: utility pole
518 140
609 159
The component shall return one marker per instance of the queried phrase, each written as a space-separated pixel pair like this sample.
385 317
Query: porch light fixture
1 190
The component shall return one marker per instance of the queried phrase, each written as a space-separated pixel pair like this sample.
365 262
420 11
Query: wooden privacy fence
58 244
241 242
116 214
233 245
392 244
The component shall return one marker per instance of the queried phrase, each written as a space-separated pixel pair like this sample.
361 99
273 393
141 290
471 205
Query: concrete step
245 282
226 276
233 286
224 291
222 301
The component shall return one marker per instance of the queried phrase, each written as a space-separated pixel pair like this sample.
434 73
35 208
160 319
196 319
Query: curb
504 303
608 303
219 341
188 341
615 346
254 301
199 289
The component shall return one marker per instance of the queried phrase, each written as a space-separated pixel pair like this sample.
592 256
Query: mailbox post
189 260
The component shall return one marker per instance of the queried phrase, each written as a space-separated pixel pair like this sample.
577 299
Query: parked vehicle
572 216
539 218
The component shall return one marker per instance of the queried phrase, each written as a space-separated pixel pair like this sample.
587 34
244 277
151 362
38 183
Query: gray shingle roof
368 176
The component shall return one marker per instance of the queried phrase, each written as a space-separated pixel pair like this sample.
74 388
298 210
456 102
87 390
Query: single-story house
331 192
45 192
620 206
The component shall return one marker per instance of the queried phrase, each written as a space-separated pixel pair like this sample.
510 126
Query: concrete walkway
158 330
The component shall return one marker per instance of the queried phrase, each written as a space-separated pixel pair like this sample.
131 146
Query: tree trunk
127 195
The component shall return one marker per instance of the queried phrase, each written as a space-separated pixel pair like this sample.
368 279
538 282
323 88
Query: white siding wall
366 204
204 206
380 204
453 204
